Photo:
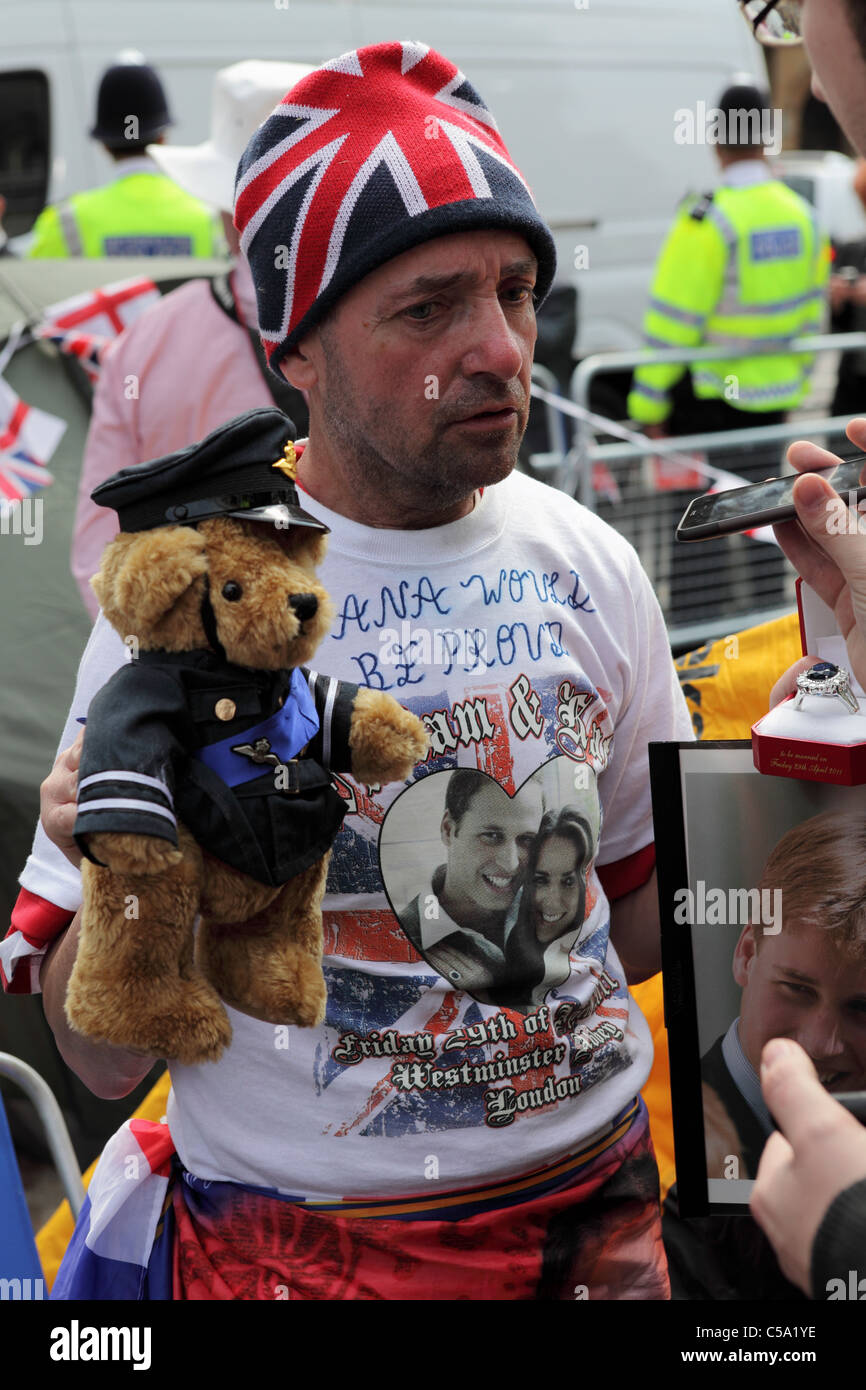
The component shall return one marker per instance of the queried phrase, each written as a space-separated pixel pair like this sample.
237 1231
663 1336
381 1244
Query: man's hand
820 1151
57 802
833 564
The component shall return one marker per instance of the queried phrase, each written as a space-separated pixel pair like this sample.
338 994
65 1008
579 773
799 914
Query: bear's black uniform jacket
139 771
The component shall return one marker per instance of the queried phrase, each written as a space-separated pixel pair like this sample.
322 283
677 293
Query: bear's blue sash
287 731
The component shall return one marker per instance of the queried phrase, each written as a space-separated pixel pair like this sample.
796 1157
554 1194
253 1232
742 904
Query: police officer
140 212
744 265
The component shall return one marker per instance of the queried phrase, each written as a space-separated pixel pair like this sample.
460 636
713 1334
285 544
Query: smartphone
762 504
853 1101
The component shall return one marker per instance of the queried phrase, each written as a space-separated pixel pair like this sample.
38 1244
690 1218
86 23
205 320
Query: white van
825 178
585 93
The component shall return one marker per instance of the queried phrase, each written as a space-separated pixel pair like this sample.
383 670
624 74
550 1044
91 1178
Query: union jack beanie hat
371 154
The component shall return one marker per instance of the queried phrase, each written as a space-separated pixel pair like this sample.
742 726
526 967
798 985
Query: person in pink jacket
158 390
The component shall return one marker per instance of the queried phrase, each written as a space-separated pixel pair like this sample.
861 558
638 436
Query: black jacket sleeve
131 749
334 701
839 1249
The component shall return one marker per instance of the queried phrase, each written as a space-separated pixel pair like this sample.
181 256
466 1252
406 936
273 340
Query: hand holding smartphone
764 504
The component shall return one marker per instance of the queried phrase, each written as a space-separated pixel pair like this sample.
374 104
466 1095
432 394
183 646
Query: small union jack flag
28 437
87 348
370 154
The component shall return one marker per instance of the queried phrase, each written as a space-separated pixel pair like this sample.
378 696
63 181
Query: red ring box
810 759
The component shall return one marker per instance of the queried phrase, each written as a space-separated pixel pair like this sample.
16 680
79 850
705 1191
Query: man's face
838 65
799 985
419 379
488 850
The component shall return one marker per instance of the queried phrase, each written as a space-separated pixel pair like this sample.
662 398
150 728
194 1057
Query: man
140 212
397 253
810 1196
460 925
806 982
744 265
157 391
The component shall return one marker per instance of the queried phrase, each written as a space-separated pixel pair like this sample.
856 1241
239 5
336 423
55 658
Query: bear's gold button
225 709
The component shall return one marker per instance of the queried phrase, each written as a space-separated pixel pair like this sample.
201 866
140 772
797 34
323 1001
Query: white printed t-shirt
527 637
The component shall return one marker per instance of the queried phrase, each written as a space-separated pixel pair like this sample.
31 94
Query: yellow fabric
727 686
141 204
727 683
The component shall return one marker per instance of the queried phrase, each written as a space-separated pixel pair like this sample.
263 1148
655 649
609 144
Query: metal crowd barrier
42 1097
642 486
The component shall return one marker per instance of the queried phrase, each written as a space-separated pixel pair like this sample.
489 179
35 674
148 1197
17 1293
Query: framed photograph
762 886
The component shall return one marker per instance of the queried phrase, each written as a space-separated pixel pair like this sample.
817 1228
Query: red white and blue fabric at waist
122 1247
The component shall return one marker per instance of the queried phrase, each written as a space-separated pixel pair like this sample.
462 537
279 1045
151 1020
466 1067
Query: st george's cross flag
84 325
28 438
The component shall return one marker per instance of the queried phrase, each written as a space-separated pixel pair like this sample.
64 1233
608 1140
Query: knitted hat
372 154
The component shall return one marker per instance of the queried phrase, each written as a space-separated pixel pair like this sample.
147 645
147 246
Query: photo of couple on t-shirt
491 889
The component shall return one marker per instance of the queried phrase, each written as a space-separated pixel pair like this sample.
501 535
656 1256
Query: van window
802 185
25 155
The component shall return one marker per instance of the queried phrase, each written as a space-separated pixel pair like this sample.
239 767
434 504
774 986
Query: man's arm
635 930
109 1072
651 708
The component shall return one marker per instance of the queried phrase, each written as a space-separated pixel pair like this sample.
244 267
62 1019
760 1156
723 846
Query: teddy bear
204 788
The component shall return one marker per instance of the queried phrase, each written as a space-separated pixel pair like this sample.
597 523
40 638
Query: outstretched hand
827 547
819 1152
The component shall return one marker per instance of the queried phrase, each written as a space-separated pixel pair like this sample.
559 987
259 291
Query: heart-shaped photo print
489 887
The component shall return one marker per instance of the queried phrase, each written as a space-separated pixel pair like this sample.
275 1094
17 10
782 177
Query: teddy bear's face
270 610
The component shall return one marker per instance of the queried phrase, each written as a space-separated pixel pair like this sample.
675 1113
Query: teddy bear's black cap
244 468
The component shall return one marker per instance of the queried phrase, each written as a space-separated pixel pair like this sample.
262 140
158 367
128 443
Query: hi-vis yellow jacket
141 212
745 267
